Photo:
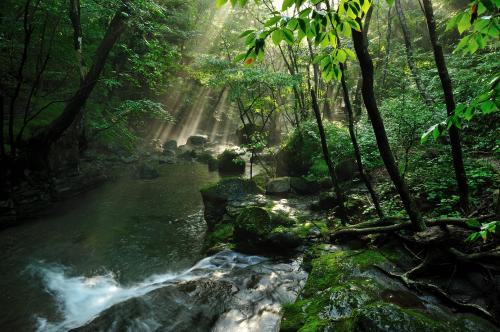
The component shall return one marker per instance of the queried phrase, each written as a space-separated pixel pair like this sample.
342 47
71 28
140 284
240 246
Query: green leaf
292 24
272 21
220 3
246 33
473 223
488 107
463 22
287 4
277 36
240 57
341 56
305 13
350 54
452 23
288 36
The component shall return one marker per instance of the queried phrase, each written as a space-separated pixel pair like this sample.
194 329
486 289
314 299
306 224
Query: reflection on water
130 229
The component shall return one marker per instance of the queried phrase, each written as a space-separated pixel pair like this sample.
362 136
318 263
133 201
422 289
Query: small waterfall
254 288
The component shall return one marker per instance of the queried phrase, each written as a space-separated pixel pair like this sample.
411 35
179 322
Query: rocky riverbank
36 193
350 287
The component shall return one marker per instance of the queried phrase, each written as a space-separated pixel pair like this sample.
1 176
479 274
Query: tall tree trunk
2 138
355 145
79 123
326 155
358 108
388 47
366 64
456 148
40 144
28 31
74 15
324 146
409 55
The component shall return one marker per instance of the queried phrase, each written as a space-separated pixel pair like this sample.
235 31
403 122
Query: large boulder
345 291
230 163
197 140
327 201
346 170
170 145
257 230
304 186
253 225
216 197
278 186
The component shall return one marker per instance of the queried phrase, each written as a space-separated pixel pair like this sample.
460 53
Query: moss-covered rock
327 201
257 230
230 163
345 293
380 317
216 196
303 186
278 186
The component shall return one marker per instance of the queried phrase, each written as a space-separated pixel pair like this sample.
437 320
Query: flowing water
128 256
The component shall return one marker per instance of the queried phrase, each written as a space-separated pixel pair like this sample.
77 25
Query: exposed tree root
437 291
390 224
419 268
479 258
371 230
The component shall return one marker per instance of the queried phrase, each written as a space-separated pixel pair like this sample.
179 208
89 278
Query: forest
235 165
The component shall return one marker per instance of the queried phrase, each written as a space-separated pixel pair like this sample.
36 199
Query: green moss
230 162
232 187
279 218
221 234
366 258
382 316
260 180
338 296
255 220
293 317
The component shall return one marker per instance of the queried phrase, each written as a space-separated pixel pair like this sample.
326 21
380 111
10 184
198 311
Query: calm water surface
129 228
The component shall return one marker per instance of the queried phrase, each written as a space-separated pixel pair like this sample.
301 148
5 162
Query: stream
129 256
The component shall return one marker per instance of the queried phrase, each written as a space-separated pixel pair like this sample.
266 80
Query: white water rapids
255 282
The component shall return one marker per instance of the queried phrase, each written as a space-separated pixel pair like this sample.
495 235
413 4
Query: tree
409 55
366 64
355 145
456 148
39 145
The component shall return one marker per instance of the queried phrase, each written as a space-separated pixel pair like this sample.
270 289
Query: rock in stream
224 292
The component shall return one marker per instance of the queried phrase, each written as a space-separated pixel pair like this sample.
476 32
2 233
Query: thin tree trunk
357 96
39 145
388 48
358 99
456 148
355 145
28 30
324 146
2 138
79 122
326 155
409 55
74 14
366 64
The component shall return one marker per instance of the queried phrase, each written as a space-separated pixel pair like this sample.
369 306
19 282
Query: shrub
301 153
